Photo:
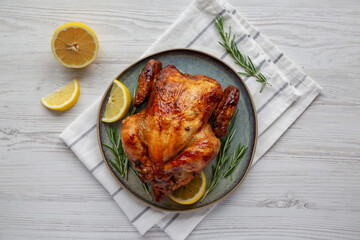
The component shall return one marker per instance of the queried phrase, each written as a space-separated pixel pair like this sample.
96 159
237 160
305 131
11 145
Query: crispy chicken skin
225 111
178 107
171 141
146 81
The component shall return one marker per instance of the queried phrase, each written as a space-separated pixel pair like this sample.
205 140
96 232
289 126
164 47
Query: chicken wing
225 111
146 81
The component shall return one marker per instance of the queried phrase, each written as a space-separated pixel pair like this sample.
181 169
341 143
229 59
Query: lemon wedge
63 98
118 103
191 192
74 45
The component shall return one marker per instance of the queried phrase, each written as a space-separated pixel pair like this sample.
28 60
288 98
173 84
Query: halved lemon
63 98
191 192
74 45
118 103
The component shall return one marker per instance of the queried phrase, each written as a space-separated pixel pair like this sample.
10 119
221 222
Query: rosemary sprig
242 60
226 162
122 162
235 159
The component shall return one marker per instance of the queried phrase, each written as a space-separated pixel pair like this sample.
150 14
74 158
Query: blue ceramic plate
192 62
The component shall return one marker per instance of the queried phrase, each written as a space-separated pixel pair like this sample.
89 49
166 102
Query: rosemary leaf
115 166
262 87
244 74
113 151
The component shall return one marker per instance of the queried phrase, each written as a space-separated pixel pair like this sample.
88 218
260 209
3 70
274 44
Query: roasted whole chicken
171 140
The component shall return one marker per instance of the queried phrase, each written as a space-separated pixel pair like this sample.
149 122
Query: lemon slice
74 45
191 192
118 103
63 98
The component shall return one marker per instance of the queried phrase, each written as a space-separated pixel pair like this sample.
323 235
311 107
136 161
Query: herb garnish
122 162
242 60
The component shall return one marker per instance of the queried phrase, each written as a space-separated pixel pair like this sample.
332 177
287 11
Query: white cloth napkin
277 107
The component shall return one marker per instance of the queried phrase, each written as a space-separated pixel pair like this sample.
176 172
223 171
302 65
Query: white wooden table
306 187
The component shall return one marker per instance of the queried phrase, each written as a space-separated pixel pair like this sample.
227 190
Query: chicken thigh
171 140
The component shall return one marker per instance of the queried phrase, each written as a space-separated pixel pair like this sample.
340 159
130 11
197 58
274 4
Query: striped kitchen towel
277 107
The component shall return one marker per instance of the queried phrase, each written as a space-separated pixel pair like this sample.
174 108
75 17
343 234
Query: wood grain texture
305 187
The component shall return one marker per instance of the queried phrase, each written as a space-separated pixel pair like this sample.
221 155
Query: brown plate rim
253 148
